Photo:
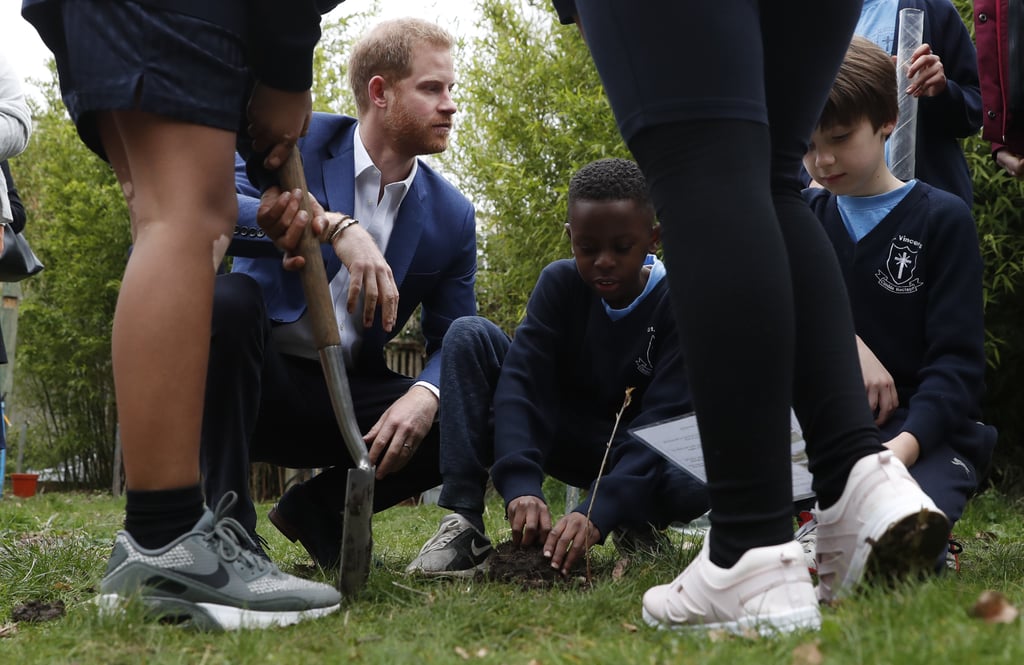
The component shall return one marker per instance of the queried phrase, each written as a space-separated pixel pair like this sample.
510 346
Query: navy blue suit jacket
432 249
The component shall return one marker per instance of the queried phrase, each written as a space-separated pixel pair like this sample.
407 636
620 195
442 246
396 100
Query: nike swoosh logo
477 551
217 579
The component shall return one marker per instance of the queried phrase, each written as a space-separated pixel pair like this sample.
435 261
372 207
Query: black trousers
265 406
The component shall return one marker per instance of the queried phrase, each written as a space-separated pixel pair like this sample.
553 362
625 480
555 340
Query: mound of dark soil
36 611
527 566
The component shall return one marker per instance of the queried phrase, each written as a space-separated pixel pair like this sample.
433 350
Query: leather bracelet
329 229
337 231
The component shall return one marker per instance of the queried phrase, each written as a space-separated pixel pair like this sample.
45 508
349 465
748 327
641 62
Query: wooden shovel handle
313 275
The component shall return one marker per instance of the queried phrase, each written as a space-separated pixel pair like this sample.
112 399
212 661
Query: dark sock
475 519
156 517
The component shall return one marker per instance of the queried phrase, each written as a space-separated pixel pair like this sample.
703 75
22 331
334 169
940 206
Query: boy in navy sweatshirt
910 258
545 403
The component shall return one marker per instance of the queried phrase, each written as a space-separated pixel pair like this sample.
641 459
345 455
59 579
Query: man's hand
879 384
369 273
572 536
277 118
1012 163
395 437
926 74
530 520
906 447
283 221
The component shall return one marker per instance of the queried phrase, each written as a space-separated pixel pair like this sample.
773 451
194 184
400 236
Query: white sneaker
883 524
768 590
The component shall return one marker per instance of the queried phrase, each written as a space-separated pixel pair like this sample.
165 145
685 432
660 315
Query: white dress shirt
378 219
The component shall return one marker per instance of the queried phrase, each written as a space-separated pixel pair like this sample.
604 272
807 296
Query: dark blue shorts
122 56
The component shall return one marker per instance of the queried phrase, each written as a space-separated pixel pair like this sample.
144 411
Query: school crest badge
645 363
898 274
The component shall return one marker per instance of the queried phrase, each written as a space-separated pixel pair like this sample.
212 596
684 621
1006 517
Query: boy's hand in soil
530 520
569 540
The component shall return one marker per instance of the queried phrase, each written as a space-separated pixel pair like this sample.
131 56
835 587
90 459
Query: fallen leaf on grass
620 569
8 630
993 607
630 628
808 654
462 653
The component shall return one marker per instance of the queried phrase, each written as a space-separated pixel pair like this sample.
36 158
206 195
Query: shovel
357 534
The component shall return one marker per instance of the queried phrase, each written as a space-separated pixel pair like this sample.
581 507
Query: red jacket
1001 69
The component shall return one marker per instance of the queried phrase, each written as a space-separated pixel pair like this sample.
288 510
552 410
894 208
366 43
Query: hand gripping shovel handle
357 538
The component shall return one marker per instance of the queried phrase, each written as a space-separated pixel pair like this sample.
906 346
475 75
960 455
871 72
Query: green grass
54 546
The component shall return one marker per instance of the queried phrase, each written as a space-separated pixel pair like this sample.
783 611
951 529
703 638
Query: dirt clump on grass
528 567
35 611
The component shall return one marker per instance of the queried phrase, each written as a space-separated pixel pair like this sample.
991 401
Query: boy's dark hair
611 179
865 87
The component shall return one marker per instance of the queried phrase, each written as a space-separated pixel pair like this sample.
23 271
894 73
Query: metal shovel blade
357 535
357 531
357 539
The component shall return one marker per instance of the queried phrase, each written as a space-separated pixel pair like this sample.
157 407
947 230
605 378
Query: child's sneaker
883 524
456 550
210 579
768 590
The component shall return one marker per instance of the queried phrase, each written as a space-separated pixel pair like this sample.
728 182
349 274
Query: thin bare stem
600 472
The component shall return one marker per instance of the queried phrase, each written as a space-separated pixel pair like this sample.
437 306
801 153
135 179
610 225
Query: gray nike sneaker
210 579
456 550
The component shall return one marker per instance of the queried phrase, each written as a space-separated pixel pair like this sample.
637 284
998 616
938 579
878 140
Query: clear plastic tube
903 142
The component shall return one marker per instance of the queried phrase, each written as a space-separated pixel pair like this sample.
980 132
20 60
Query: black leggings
764 321
717 102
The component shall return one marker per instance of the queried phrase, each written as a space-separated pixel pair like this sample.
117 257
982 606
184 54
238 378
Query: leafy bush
532 112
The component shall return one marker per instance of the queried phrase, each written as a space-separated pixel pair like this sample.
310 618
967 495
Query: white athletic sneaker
883 525
768 590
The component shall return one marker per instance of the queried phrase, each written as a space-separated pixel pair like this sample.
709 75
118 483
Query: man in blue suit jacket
414 244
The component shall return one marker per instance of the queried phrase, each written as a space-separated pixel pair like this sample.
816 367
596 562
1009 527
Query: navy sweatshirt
567 372
955 113
915 289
